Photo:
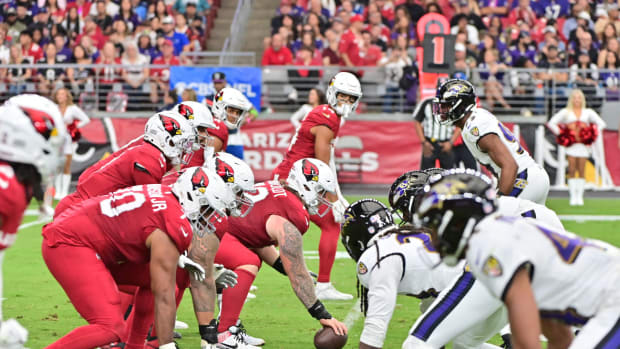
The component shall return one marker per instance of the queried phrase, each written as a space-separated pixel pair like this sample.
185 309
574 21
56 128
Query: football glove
195 269
224 278
338 209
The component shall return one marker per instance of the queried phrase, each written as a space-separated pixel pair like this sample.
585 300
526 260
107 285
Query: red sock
233 299
330 233
86 337
141 319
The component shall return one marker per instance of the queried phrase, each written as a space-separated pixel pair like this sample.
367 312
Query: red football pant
233 254
92 291
330 234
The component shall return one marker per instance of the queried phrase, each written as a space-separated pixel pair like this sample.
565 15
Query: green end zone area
35 299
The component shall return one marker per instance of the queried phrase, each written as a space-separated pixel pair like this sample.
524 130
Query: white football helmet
203 196
198 116
171 133
33 132
239 179
312 179
229 97
348 84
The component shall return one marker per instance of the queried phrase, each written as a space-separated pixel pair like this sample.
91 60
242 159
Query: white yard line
315 255
30 224
587 218
353 315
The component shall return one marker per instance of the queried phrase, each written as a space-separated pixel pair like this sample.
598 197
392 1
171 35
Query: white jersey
511 206
571 277
398 264
481 123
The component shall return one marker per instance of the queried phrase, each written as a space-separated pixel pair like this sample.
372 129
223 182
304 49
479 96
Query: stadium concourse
363 154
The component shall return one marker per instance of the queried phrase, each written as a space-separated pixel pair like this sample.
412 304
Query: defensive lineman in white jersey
531 267
490 142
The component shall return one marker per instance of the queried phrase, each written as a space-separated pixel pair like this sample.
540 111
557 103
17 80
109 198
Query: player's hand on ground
338 327
195 269
224 278
338 209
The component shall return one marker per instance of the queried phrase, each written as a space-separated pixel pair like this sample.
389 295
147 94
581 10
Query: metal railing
234 42
220 58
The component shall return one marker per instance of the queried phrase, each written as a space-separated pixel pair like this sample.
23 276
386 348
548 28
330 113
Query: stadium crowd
129 32
491 35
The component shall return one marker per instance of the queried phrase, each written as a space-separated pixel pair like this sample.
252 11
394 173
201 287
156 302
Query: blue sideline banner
245 79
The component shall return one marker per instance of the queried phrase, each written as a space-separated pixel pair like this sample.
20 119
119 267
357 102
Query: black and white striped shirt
433 130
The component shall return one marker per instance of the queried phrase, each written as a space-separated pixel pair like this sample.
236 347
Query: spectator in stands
37 36
64 53
610 76
111 8
463 26
161 11
375 20
578 15
17 77
404 27
494 8
613 46
394 62
146 48
377 38
304 79
351 41
161 76
555 81
73 23
55 8
524 13
433 7
182 28
170 100
523 47
30 50
609 32
4 47
82 7
492 74
489 42
102 19
108 76
22 14
307 39
316 97
523 82
80 77
552 9
461 65
93 31
180 41
316 7
585 44
188 95
91 50
137 72
202 6
15 27
319 25
550 37
277 54
284 14
127 15
331 55
50 77
120 34
496 28
466 8
584 74
43 20
370 53
191 13
386 8
415 10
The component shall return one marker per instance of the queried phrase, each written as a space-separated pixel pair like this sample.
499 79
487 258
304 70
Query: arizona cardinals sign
311 172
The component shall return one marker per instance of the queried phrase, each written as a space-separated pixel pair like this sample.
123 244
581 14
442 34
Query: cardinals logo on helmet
186 111
200 181
225 171
310 171
170 125
219 96
42 122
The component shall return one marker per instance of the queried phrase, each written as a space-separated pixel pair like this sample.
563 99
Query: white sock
505 330
66 183
572 189
57 186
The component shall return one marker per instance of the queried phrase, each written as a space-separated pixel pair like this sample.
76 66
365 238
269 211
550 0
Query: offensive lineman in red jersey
168 136
149 224
314 139
218 138
30 152
279 217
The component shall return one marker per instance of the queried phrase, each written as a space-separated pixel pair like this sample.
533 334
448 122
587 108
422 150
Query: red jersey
164 73
34 53
350 44
117 225
13 202
138 163
221 132
302 145
109 75
270 199
281 57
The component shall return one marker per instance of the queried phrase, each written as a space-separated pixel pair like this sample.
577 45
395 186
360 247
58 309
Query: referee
436 139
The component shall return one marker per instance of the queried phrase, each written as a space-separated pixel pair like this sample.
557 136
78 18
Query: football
326 338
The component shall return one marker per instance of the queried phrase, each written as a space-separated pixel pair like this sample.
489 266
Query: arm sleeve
382 295
596 119
555 120
79 114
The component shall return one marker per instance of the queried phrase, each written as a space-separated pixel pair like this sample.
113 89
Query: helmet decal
219 96
200 181
450 187
42 122
224 170
170 125
310 171
186 111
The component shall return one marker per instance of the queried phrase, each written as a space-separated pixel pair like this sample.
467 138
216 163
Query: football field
39 304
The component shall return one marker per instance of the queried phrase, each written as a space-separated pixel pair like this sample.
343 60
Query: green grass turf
37 301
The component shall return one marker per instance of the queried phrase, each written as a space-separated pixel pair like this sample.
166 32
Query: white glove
12 334
338 209
195 269
224 278
205 345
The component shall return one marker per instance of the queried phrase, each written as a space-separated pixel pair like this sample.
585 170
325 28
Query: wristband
209 332
318 311
277 265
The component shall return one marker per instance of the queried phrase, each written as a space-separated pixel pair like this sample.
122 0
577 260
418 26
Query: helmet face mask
364 222
405 193
238 177
344 93
231 107
454 100
312 179
172 134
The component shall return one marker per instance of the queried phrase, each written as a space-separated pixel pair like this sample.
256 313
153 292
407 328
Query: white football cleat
249 339
180 325
233 339
325 291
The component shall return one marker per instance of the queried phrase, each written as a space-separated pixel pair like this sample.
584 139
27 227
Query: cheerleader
576 128
74 118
